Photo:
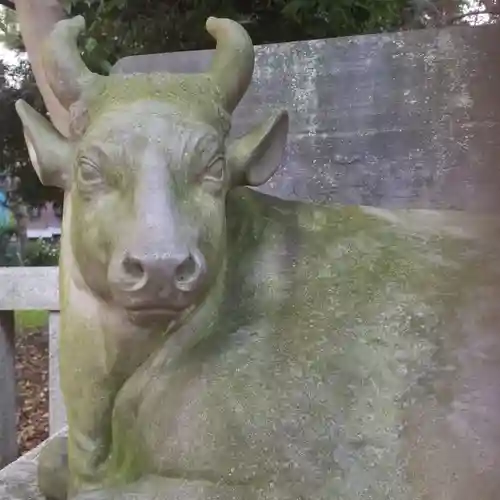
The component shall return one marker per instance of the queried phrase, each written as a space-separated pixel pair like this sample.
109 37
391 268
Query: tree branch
8 3
460 17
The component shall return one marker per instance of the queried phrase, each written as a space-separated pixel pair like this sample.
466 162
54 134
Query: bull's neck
195 328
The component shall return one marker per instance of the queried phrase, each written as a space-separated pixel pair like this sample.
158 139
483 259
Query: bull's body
344 356
221 344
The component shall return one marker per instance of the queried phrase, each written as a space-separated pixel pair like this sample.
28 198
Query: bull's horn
66 72
233 62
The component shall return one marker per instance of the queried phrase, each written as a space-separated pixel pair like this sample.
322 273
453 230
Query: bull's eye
88 172
216 170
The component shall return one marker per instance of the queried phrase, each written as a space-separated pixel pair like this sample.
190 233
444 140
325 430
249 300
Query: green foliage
31 320
17 82
8 27
41 253
38 253
8 250
118 28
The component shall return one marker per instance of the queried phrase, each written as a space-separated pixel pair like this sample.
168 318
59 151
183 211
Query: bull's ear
254 158
50 153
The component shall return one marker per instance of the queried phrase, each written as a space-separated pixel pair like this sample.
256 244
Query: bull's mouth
144 312
149 309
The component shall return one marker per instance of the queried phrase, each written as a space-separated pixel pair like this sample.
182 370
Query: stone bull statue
218 343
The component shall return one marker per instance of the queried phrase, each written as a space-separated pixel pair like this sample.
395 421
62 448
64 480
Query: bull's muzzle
158 282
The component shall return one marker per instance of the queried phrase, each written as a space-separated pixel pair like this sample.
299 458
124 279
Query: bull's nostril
188 272
130 274
133 267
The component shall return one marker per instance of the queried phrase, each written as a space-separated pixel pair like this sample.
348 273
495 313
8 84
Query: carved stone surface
18 481
8 427
219 343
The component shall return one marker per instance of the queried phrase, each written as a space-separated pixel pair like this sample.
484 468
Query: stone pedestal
8 436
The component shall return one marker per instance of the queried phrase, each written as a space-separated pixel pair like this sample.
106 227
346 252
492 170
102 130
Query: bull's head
147 168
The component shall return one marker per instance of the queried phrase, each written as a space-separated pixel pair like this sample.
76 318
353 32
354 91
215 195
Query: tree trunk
37 19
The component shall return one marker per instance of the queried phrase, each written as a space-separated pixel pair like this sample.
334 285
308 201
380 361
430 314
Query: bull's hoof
53 472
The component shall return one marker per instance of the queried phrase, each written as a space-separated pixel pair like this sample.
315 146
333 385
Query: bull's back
351 358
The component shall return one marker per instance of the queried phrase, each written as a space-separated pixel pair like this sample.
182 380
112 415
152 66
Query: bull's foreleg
99 351
53 472
90 409
89 384
89 394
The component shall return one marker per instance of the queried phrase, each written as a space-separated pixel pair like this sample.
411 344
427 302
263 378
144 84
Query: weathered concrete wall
407 119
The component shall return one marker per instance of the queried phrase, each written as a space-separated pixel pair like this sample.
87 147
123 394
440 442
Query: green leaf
113 4
293 8
90 45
